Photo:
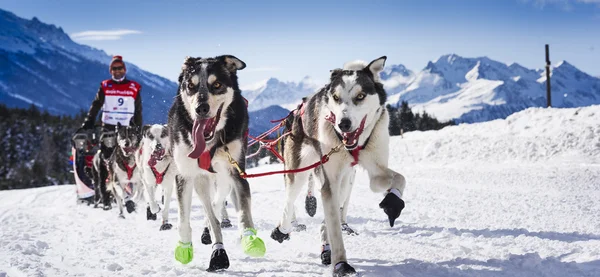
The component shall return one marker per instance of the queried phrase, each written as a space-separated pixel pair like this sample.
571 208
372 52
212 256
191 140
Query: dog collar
356 151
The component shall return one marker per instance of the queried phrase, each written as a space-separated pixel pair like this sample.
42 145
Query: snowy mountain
274 92
41 65
516 197
289 94
454 87
396 78
481 89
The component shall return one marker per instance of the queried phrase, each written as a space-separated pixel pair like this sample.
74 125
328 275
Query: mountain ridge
39 64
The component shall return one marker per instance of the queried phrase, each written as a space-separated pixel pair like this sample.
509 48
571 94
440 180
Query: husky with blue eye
348 113
208 125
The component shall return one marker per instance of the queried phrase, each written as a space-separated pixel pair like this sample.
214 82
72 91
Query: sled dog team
343 124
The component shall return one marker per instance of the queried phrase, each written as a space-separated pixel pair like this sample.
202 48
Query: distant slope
260 120
562 135
41 65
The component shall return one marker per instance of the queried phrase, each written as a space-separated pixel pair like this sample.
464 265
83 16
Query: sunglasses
117 68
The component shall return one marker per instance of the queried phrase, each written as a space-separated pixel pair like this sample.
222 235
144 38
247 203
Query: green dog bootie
252 244
184 252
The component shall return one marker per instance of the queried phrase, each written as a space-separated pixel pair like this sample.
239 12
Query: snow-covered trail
535 220
514 197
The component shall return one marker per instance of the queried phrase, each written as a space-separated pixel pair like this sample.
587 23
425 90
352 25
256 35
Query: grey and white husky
124 176
155 163
208 124
347 112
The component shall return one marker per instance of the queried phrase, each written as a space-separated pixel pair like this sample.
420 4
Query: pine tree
407 118
395 126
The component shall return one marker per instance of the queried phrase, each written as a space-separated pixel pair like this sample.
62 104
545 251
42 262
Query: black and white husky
124 175
100 169
208 123
155 163
349 111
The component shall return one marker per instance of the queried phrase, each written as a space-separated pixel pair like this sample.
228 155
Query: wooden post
548 94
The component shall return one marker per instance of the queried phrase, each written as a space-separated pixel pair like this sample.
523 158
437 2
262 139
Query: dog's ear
335 73
376 66
165 131
188 62
232 63
145 128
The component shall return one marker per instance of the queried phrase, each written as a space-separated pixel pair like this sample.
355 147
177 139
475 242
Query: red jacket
121 102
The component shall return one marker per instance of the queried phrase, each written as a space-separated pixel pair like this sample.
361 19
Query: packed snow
514 197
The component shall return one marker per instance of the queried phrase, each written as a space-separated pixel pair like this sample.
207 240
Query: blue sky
292 39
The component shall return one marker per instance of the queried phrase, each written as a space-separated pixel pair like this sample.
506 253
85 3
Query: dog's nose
159 146
203 109
127 144
345 125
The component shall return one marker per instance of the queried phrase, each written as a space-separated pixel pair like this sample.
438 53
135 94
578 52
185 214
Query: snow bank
533 135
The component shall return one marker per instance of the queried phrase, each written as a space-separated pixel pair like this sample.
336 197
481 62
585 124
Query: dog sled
83 149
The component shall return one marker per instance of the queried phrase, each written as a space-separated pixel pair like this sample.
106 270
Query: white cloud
543 2
103 35
566 5
262 69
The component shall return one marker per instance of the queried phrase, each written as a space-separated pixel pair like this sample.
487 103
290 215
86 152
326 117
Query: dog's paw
150 215
130 205
348 230
107 207
121 216
279 236
310 204
184 252
326 255
253 245
343 269
165 226
205 238
226 223
218 259
392 205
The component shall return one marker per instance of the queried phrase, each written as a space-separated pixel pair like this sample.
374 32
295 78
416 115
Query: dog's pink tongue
198 138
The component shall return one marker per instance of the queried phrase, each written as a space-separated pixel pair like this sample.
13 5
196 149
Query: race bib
118 109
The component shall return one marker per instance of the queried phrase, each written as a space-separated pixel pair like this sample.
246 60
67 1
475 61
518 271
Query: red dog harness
157 175
129 170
